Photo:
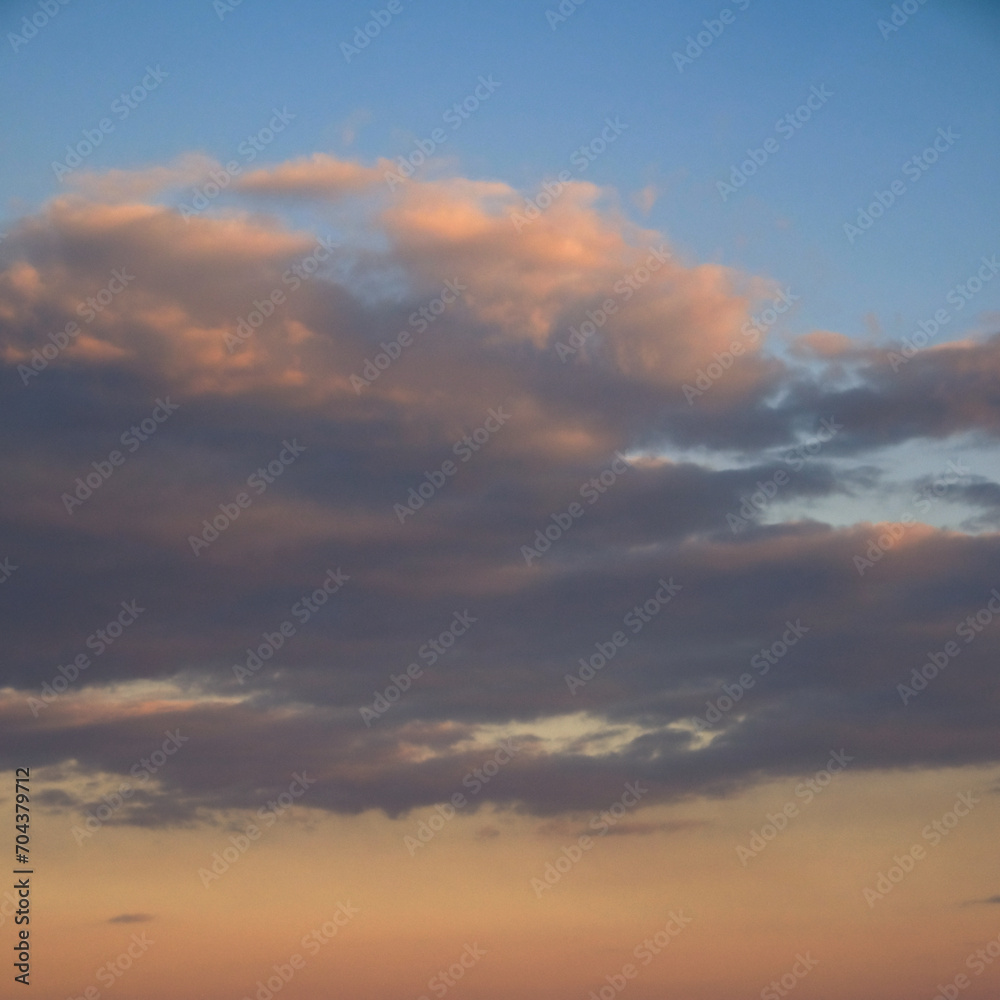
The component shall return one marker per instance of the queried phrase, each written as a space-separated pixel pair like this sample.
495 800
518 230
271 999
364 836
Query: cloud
503 342
131 918
129 185
317 176
56 800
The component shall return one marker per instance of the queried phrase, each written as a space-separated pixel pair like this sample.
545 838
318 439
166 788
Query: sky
500 500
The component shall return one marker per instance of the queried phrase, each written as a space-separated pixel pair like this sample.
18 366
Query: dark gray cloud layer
861 629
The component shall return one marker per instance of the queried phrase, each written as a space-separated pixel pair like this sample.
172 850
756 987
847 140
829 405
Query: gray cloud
334 508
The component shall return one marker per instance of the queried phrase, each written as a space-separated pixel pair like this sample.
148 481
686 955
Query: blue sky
686 130
810 485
